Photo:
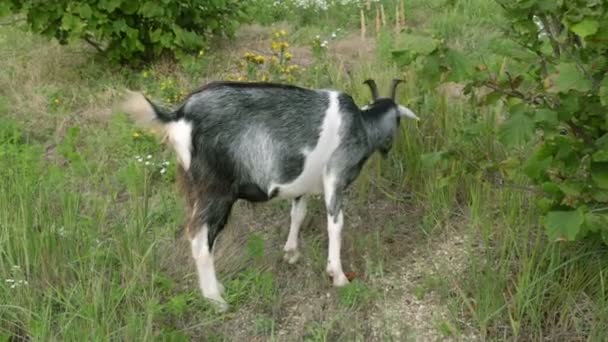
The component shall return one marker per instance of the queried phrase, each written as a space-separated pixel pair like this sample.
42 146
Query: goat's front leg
298 213
335 222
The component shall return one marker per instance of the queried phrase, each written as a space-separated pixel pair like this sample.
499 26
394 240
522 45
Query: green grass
91 243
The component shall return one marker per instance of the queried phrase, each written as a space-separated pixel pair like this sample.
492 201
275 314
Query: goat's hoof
219 303
341 280
291 256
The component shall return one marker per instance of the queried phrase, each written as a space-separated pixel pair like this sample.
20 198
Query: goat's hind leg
206 224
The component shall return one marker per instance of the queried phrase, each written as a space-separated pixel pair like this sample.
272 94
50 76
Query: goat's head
383 115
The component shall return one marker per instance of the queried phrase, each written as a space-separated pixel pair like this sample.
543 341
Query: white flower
16 283
162 171
149 156
147 163
333 34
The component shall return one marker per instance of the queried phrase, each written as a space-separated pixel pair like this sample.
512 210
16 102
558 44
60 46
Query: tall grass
93 230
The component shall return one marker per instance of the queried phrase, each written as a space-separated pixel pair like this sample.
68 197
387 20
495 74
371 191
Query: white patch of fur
298 213
334 232
334 263
404 111
203 257
311 178
179 134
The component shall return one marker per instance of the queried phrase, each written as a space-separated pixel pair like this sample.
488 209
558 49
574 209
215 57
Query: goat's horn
394 87
373 88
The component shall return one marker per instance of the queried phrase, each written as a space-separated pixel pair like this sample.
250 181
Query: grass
91 242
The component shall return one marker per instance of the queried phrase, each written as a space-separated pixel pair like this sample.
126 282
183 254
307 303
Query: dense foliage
552 77
132 30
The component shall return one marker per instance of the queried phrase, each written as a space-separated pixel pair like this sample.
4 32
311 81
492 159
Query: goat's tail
145 112
166 123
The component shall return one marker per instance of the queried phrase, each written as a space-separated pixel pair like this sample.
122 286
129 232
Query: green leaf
409 46
5 8
72 23
536 166
546 116
460 66
151 9
429 160
109 5
85 11
585 28
604 91
568 77
551 188
563 225
571 188
516 130
601 155
599 174
596 222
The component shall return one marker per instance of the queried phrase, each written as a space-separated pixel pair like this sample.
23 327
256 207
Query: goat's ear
406 112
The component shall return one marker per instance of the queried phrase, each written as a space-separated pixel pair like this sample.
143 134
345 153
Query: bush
552 79
132 30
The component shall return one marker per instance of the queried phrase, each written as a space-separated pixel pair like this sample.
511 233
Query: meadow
92 245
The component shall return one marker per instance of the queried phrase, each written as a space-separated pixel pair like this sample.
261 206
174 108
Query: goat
258 141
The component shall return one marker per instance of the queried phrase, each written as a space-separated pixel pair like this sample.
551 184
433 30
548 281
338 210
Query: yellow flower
259 59
145 74
274 60
56 101
290 68
283 33
288 56
136 135
201 53
264 78
284 45
275 46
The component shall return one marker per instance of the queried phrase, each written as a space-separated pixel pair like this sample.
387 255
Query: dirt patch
353 49
413 307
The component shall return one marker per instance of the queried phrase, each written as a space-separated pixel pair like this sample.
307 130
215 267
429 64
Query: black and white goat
257 141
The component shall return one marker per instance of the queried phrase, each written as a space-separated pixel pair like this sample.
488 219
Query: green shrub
132 30
552 78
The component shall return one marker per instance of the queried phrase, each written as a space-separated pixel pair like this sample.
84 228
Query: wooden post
377 22
382 16
362 24
402 3
397 21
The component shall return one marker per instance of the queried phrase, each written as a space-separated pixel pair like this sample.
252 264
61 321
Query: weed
354 294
